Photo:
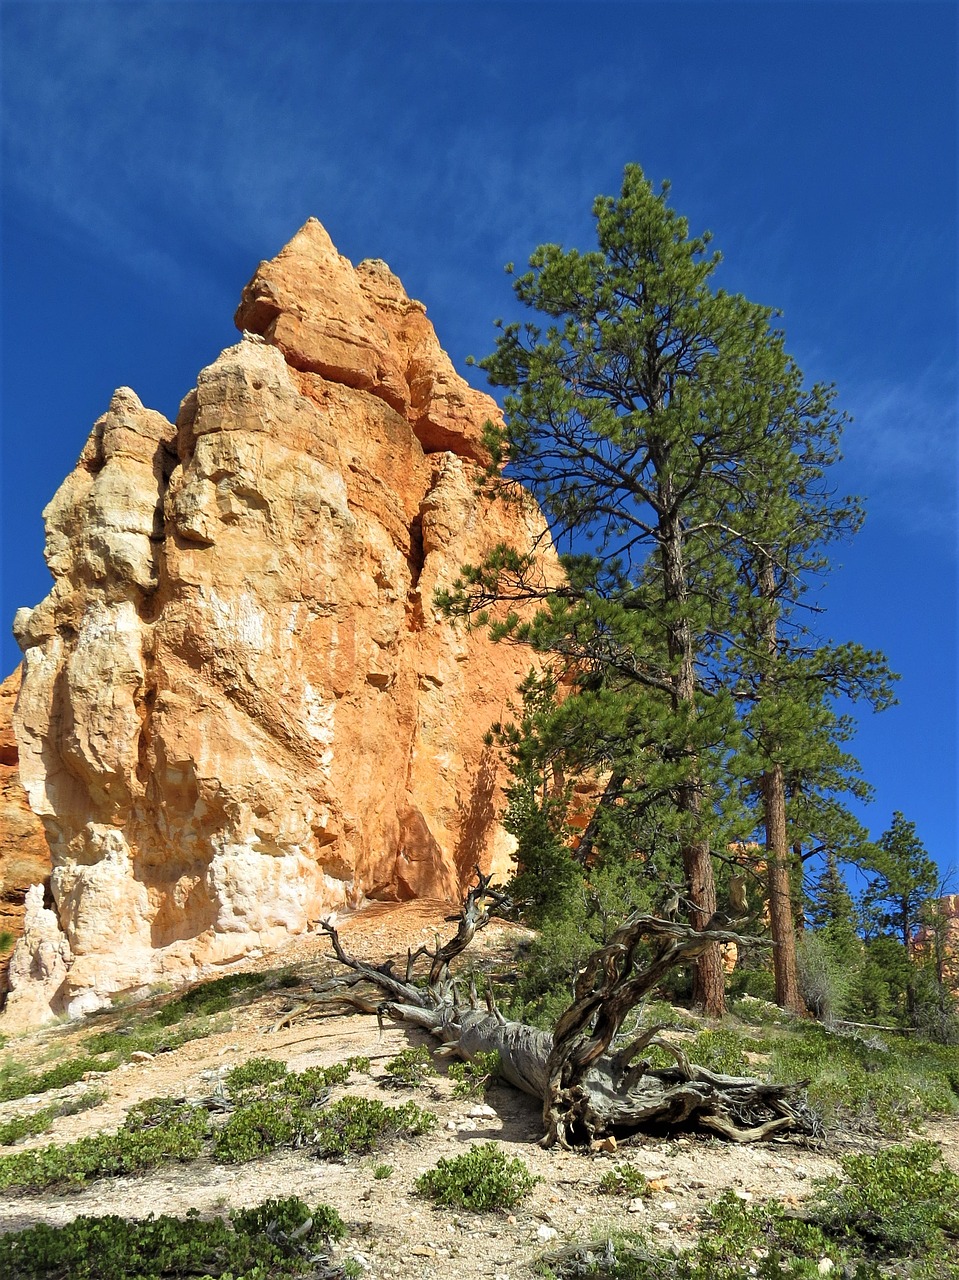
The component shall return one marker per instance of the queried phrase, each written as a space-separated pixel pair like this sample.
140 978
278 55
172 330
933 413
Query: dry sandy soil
392 1231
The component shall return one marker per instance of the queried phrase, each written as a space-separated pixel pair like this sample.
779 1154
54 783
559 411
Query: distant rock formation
946 945
241 709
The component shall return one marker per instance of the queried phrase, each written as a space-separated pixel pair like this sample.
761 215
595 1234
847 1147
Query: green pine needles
682 462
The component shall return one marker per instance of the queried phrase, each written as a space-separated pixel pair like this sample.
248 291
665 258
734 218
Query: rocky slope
241 708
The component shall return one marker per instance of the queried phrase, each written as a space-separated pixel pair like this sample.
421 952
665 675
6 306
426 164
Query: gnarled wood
589 1086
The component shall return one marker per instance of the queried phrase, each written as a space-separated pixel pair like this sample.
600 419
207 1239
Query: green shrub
737 1242
147 1035
153 1132
473 1078
758 984
288 1217
900 1202
758 1011
85 1101
260 1127
481 1178
18 1127
209 997
359 1124
253 1073
313 1085
286 1112
411 1068
879 1087
723 1051
278 1240
381 1171
895 1215
14 1084
662 1013
623 1180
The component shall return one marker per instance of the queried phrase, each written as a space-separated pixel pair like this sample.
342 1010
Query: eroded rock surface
24 855
241 709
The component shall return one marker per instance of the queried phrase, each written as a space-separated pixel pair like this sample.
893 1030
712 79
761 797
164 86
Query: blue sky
154 153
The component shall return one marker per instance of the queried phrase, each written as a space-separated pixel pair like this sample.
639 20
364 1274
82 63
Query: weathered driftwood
591 1086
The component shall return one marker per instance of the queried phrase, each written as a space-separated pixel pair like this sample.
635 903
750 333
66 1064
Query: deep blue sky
154 153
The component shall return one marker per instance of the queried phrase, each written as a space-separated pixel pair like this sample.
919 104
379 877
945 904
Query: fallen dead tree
591 1087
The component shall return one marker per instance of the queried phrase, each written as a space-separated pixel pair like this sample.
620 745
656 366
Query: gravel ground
393 1232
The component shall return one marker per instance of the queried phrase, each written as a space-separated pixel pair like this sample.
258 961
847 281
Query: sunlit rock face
938 941
24 855
241 708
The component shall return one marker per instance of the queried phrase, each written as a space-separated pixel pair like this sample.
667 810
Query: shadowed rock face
240 708
24 856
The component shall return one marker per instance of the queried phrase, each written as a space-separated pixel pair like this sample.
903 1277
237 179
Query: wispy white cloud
163 127
901 449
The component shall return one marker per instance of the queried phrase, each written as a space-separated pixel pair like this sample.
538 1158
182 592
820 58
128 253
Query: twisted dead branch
590 1086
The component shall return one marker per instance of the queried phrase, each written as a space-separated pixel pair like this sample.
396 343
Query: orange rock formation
241 708
24 855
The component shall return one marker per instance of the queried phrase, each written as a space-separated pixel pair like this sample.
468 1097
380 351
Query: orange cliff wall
241 708
24 854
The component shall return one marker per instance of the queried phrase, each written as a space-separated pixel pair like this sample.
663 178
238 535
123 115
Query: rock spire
241 709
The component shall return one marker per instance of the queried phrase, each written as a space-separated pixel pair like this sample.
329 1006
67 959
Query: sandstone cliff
24 855
240 708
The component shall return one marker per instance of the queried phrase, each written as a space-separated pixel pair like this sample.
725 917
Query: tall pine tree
647 418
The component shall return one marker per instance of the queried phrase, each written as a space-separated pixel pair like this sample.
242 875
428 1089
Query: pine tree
661 424
786 678
904 878
833 914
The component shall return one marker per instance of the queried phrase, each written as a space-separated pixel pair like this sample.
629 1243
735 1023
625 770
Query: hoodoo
240 708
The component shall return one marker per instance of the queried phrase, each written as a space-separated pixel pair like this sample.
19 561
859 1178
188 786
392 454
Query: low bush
262 1126
624 1180
896 1214
473 1078
411 1068
27 1126
254 1073
280 1239
20 1084
153 1132
481 1178
275 1108
18 1127
210 997
900 1202
723 1051
288 1217
147 1035
357 1125
874 1087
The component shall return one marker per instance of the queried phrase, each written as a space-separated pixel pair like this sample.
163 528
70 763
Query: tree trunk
590 1086
773 791
709 978
780 897
709 975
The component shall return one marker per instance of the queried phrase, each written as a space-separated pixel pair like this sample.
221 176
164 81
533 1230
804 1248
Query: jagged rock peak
358 327
240 708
